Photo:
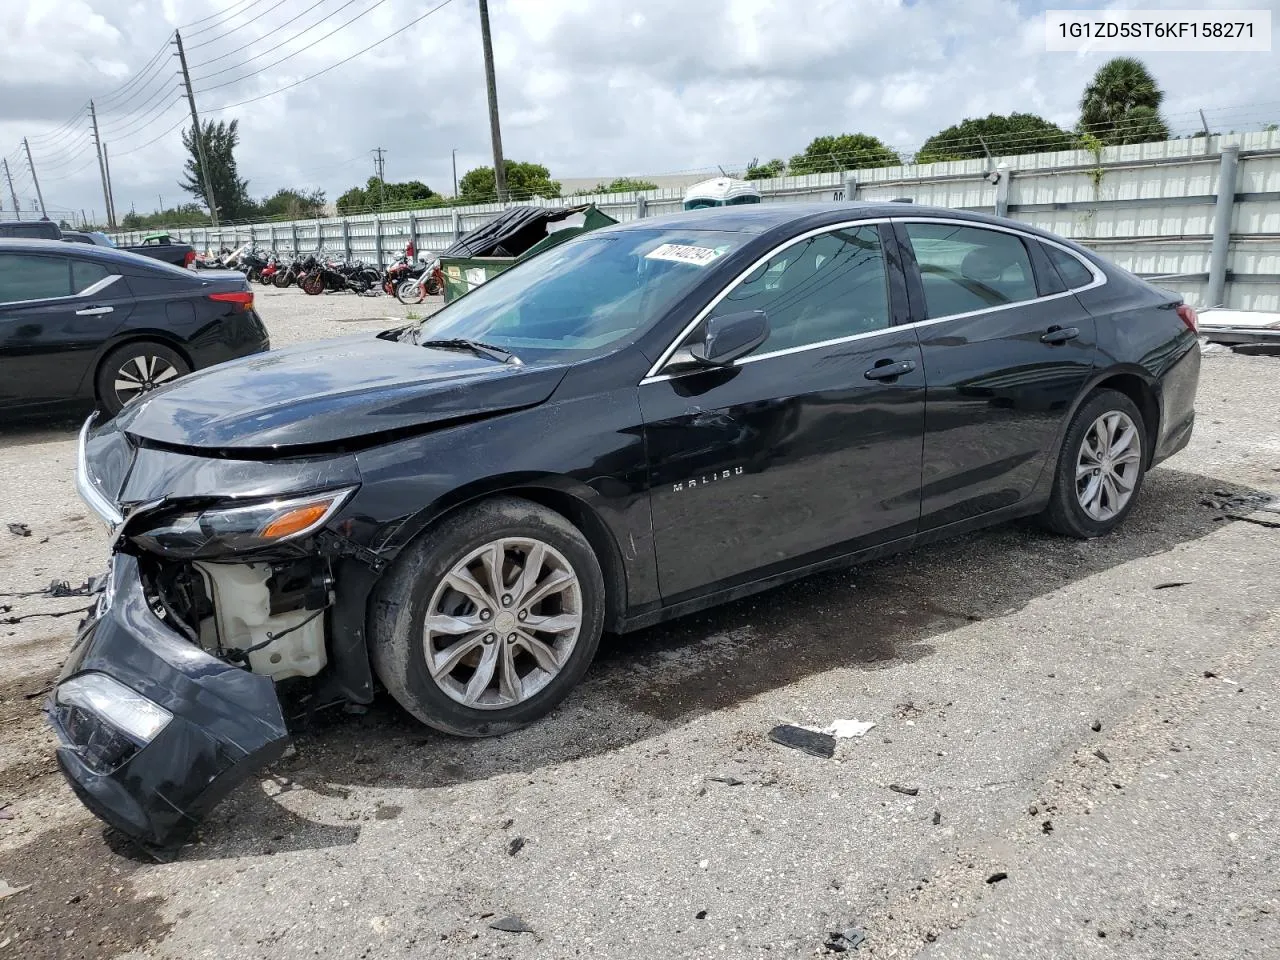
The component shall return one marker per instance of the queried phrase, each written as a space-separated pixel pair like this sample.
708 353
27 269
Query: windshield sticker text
683 253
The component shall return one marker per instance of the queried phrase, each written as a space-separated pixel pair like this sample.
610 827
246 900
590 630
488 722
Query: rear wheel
136 369
281 279
490 619
312 283
1100 469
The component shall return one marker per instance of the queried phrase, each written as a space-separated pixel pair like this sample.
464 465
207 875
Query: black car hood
351 389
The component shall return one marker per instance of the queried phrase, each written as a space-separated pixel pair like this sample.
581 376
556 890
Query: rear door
55 313
1006 351
808 447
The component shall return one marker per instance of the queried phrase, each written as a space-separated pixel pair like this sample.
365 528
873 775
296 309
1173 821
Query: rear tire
1100 469
475 638
134 370
313 284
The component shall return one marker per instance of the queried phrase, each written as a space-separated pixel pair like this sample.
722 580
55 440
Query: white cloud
587 87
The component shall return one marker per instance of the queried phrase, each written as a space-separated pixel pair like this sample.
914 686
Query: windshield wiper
476 347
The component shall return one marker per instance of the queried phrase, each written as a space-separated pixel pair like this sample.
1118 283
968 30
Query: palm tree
1121 104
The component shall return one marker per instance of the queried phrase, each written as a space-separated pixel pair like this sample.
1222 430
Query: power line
290 56
318 73
117 134
229 15
184 26
277 44
118 91
223 36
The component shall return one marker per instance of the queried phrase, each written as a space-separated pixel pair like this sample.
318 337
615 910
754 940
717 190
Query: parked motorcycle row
407 280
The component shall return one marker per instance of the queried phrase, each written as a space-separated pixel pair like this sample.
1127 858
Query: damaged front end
224 582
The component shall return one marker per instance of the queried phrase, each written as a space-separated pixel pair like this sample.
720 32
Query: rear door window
964 269
1074 273
29 277
85 273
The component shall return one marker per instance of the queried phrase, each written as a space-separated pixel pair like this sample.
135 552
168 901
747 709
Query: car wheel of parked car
1100 469
487 621
134 369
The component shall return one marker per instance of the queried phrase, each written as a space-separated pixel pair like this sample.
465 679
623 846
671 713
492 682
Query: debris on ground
700 915
1096 726
840 941
905 791
937 817
1046 827
727 781
1102 756
7 890
515 846
5 812
1169 584
798 738
1235 506
848 729
511 924
907 711
19 529
997 877
387 811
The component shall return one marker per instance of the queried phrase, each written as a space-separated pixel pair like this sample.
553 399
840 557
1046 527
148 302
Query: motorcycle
428 283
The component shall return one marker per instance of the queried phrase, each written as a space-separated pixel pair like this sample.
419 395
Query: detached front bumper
224 722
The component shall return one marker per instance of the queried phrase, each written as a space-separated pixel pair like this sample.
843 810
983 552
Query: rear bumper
225 722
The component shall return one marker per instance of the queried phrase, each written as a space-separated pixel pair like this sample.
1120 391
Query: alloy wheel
142 374
502 623
1108 465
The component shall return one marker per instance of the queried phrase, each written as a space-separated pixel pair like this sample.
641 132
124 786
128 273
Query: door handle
1056 335
93 311
889 369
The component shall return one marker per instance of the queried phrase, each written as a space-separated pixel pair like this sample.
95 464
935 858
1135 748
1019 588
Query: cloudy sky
590 88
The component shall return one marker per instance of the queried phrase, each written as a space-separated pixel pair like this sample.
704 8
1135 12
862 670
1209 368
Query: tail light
189 259
243 299
1188 316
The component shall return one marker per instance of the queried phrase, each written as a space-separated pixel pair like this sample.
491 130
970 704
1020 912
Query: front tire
135 369
1100 469
488 621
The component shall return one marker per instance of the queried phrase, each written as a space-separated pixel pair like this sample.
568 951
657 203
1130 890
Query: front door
1006 352
55 313
808 447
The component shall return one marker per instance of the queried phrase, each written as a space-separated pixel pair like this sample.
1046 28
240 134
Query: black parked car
642 422
82 324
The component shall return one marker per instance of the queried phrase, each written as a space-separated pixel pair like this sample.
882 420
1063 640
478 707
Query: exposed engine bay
265 616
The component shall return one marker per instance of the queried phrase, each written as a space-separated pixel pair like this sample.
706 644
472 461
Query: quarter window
1074 273
968 268
85 273
26 277
827 287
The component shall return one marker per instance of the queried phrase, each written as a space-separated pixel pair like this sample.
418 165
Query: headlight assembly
219 531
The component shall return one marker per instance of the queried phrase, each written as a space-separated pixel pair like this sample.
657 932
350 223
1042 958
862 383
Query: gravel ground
294 317
1090 728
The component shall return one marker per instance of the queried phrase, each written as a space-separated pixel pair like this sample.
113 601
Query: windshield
102 239
584 295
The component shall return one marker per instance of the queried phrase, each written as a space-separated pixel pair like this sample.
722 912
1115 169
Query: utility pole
111 196
495 131
17 207
455 173
102 167
195 129
380 167
31 164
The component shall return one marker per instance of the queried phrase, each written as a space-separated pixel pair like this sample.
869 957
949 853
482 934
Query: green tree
524 180
184 215
289 203
230 192
765 171
410 195
847 151
1121 104
1016 133
624 185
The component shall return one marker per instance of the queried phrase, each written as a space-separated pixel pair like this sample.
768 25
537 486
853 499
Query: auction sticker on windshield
683 253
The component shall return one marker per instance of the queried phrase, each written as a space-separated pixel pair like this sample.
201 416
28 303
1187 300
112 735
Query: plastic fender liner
226 722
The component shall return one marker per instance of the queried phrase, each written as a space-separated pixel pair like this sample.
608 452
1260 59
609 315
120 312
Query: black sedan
83 324
642 422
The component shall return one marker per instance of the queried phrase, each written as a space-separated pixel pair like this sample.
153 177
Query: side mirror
729 337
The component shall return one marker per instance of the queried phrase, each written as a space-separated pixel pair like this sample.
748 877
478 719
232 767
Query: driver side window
824 288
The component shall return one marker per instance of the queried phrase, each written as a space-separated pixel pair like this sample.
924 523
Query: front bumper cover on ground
226 722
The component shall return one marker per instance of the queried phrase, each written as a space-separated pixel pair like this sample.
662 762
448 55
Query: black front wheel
134 370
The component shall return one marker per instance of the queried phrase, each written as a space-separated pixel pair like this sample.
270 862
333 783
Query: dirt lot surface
1090 730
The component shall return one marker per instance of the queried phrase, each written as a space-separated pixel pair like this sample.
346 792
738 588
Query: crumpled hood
314 394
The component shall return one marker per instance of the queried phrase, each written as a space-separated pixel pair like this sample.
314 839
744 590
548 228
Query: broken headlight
219 531
106 722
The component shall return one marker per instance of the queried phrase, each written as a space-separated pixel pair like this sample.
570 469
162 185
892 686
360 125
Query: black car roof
758 218
90 250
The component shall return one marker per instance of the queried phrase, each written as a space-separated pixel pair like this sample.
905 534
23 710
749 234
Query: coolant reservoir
242 615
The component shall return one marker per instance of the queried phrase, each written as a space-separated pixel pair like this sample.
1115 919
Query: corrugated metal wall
1149 207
